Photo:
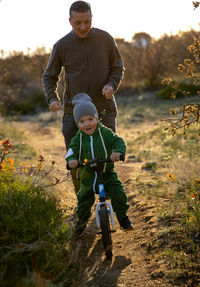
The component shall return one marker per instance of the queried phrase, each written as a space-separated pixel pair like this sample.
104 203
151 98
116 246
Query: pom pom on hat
83 106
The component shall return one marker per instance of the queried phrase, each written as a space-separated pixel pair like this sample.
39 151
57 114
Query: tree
188 114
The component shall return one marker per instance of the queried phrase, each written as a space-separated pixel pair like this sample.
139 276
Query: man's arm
50 80
116 66
116 71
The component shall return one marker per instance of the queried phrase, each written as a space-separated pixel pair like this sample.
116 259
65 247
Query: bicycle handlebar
95 162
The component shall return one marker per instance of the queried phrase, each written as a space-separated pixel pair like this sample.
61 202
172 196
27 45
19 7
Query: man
92 65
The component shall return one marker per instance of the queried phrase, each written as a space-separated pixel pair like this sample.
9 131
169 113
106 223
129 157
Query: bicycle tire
105 231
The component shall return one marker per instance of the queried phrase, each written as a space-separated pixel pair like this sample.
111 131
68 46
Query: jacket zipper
92 152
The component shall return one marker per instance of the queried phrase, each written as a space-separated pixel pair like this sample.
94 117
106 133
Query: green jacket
99 145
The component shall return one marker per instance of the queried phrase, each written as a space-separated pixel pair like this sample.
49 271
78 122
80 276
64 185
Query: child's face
87 124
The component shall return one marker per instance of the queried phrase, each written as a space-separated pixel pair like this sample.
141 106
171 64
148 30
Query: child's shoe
79 228
126 224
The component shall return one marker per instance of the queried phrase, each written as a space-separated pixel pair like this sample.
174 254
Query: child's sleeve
117 142
72 153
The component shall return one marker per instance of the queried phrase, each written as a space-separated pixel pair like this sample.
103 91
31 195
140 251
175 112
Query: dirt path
131 264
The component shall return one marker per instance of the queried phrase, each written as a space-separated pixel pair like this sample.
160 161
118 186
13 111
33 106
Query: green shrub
165 93
34 229
35 102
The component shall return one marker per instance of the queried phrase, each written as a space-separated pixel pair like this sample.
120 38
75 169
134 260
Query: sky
36 23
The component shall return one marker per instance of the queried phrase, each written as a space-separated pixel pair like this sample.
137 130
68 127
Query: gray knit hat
83 106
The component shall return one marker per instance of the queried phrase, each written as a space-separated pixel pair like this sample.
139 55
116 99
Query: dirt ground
131 265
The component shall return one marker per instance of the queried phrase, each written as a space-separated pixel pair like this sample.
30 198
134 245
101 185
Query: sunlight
31 24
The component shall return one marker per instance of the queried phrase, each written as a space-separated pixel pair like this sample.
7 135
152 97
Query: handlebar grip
67 166
79 165
122 157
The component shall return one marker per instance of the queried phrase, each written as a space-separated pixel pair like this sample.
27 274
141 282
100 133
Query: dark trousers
115 192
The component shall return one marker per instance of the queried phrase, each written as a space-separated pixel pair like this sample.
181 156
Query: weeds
174 188
34 229
192 195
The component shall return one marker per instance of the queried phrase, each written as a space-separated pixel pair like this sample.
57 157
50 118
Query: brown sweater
89 64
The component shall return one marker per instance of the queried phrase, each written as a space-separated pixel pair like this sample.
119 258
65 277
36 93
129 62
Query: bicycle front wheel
105 231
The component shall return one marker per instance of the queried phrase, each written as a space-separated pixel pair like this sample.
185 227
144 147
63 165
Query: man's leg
108 119
69 130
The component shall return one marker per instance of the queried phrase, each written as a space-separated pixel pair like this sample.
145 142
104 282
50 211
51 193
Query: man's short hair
79 6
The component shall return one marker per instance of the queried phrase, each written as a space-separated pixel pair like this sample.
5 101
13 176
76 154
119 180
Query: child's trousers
115 192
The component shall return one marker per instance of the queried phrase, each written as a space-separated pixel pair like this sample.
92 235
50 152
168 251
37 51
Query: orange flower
11 161
194 198
171 176
41 167
191 218
6 145
3 166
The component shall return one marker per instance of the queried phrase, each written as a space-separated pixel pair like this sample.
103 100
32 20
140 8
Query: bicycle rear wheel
105 231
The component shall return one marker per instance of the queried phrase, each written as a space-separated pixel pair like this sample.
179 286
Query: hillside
163 248
142 257
131 266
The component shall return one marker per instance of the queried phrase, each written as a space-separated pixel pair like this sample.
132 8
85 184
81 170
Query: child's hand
115 156
73 163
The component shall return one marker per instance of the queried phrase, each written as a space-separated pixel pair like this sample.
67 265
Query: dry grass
176 241
159 205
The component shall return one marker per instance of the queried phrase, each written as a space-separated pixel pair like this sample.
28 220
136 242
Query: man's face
81 23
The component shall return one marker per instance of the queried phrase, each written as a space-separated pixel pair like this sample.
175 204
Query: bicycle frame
103 208
102 195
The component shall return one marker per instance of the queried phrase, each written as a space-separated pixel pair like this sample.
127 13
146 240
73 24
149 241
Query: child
93 140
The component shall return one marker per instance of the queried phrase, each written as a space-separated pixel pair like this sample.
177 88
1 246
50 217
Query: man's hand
115 156
107 91
73 164
55 106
